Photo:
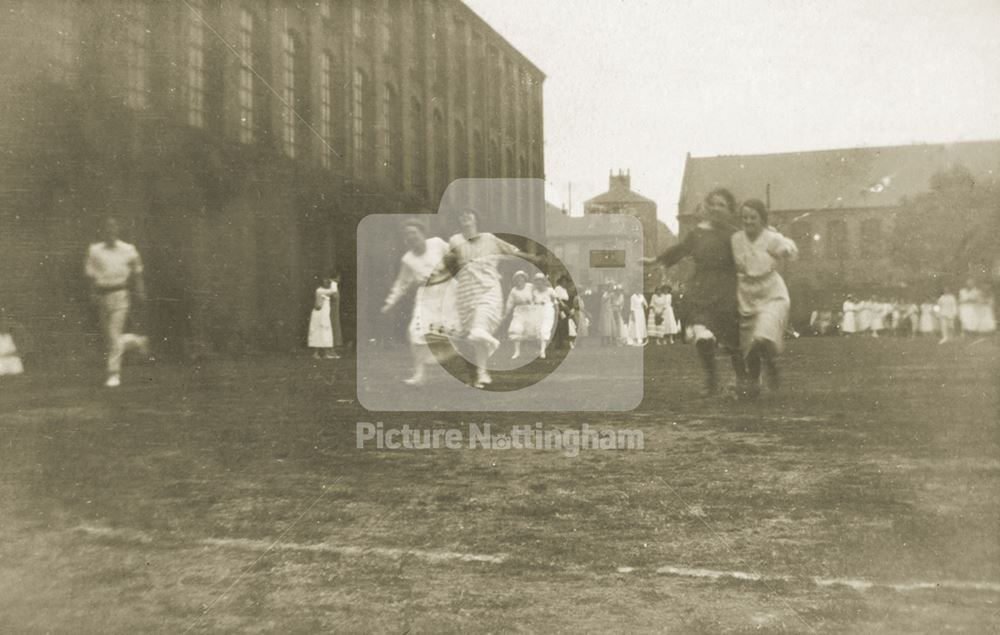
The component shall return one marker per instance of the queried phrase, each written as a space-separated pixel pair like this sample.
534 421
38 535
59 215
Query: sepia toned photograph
489 316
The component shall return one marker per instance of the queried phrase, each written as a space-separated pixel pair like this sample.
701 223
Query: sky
638 84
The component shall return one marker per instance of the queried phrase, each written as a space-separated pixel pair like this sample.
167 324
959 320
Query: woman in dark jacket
710 301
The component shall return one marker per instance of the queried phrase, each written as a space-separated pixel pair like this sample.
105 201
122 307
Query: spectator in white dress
546 304
519 309
947 312
320 324
849 323
637 335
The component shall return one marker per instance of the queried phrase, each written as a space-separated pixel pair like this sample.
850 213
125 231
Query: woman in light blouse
761 292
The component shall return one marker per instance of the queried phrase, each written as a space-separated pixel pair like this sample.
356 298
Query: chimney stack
620 181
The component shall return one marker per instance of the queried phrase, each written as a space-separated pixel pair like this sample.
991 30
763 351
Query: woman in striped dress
473 260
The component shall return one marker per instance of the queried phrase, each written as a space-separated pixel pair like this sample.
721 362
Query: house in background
621 199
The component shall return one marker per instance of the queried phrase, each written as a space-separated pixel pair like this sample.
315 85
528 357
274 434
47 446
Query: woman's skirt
434 313
927 323
522 323
320 328
608 326
848 324
546 321
667 323
637 328
763 311
656 325
480 303
968 316
768 324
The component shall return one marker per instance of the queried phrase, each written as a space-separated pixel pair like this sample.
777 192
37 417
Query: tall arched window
461 153
138 56
441 178
195 80
418 148
495 169
246 81
360 122
478 155
326 108
392 135
288 136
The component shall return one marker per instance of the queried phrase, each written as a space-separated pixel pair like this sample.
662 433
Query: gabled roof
618 195
831 179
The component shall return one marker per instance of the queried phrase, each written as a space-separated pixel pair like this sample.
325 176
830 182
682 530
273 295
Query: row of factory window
366 140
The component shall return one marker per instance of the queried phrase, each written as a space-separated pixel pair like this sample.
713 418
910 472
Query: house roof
618 195
831 179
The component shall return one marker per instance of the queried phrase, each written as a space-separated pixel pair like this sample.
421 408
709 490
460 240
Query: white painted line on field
852 583
131 535
128 535
350 550
134 536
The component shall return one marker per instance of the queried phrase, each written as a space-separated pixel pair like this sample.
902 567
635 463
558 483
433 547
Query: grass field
863 497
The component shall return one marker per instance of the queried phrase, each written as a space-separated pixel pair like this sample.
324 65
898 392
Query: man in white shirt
113 268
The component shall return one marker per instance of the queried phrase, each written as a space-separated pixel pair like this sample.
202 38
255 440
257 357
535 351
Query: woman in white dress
619 328
545 303
519 308
849 323
434 304
637 335
659 305
877 317
912 315
987 316
761 292
968 307
607 323
321 338
864 316
947 312
927 320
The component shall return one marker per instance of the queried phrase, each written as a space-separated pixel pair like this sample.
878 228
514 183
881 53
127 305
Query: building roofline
842 149
631 191
487 26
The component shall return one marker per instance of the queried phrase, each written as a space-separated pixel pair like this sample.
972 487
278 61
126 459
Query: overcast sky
639 83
